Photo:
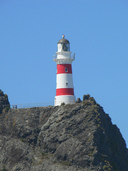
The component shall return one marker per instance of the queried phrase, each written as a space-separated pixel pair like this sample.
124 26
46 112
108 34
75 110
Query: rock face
4 103
75 137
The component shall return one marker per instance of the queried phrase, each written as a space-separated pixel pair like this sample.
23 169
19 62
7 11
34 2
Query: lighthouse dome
63 44
63 40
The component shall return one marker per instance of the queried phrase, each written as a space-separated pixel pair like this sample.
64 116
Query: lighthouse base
67 99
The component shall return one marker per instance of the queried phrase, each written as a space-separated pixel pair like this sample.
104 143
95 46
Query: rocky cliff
4 103
74 137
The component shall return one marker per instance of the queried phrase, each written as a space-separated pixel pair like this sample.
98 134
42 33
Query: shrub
62 104
66 163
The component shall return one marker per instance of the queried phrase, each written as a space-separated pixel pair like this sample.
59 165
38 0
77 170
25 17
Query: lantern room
63 45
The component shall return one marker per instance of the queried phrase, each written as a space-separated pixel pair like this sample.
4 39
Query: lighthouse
64 80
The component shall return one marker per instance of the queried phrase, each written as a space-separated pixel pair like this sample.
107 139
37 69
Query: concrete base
67 99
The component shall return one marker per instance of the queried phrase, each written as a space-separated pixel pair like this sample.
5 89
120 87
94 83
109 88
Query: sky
98 35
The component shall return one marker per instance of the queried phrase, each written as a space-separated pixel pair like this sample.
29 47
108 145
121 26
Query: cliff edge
73 137
4 103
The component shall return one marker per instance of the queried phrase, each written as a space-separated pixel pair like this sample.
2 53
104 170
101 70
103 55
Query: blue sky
98 34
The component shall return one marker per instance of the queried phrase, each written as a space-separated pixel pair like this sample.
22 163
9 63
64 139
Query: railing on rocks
30 105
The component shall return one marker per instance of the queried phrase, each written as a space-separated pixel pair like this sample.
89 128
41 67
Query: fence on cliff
30 105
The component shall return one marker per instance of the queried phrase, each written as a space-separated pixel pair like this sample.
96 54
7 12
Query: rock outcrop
73 137
4 103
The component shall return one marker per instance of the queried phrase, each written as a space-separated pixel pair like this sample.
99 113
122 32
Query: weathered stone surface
76 137
86 97
78 100
4 103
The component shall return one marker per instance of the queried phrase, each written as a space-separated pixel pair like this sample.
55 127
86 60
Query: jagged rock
86 97
78 100
4 103
73 137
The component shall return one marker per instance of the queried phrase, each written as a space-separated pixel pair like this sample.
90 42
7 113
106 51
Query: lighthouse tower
64 81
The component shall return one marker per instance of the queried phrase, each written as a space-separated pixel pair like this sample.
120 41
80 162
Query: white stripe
64 99
64 81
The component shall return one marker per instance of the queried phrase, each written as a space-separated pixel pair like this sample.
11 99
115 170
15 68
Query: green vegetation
66 163
107 166
6 109
86 103
4 169
44 155
22 139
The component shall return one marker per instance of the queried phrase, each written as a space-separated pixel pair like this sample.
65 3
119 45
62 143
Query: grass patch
66 163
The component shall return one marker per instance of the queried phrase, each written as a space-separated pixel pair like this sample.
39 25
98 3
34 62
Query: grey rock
86 97
4 103
73 137
78 100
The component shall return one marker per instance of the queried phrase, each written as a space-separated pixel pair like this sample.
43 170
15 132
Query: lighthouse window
66 69
66 83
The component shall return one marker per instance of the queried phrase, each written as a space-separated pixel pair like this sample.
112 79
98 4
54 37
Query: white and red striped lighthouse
64 81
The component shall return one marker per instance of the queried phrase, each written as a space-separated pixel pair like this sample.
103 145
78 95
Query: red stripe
64 91
64 68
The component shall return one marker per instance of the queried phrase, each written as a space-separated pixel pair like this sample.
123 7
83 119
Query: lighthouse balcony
64 56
